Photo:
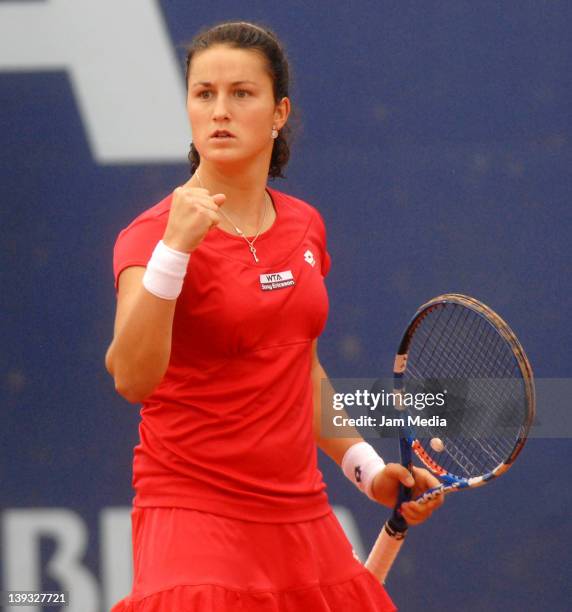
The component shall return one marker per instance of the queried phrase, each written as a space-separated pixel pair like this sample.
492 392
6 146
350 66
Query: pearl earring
274 132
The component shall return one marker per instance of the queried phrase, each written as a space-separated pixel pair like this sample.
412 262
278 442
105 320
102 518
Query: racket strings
457 449
458 455
474 373
485 422
456 348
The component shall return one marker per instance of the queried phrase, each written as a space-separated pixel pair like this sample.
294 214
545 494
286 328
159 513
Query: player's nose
220 109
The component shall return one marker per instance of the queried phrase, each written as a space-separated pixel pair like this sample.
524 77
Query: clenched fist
194 211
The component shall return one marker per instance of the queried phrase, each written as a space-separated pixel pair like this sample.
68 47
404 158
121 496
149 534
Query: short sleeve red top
229 428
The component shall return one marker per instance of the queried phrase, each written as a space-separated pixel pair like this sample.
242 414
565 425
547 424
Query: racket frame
390 540
451 482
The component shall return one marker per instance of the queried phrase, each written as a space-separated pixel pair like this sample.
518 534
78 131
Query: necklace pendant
253 251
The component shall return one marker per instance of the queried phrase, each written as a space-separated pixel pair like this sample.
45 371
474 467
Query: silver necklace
237 229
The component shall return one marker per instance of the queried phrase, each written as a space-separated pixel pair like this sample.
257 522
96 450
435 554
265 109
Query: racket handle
385 551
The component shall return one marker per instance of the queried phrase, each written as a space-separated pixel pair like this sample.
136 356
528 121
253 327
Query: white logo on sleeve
309 257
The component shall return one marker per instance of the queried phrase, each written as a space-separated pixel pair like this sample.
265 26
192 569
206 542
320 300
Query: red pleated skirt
190 561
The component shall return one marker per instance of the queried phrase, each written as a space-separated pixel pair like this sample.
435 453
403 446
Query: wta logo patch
276 280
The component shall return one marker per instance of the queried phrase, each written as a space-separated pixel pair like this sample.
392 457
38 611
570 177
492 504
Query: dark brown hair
244 35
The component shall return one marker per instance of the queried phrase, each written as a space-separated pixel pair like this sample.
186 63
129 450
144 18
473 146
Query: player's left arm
323 392
386 483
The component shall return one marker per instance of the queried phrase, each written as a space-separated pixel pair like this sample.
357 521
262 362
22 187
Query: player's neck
244 188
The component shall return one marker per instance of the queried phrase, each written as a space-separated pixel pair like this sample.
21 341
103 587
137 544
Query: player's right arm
140 350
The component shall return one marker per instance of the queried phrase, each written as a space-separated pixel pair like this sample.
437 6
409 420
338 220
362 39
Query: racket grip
385 551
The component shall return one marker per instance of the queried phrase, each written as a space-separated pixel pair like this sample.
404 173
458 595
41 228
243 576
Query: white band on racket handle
384 552
165 272
360 464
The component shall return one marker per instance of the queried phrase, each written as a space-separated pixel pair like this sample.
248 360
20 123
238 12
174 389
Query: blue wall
436 142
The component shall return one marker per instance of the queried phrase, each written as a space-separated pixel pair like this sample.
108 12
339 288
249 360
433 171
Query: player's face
231 105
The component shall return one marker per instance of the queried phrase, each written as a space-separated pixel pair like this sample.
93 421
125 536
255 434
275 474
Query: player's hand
194 211
385 488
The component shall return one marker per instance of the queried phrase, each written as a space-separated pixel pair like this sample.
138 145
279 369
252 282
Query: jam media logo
122 68
276 280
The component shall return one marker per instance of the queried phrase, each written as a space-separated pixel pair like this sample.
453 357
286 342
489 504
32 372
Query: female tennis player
221 298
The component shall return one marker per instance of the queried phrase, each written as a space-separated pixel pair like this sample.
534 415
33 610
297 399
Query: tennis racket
456 343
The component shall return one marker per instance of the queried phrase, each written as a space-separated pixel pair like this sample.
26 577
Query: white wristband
360 464
165 272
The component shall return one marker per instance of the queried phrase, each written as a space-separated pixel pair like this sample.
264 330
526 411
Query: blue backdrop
434 139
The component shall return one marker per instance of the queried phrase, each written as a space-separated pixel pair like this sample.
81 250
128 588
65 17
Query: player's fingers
203 195
415 513
210 210
212 202
183 190
219 198
433 502
214 217
424 479
410 517
399 473
437 500
206 202
426 506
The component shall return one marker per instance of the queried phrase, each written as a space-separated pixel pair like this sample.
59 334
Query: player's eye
242 93
204 94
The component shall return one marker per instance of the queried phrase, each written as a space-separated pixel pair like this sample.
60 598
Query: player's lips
222 134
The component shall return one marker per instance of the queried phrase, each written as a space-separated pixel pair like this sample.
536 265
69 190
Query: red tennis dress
230 511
